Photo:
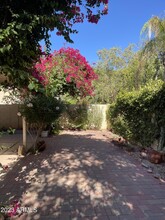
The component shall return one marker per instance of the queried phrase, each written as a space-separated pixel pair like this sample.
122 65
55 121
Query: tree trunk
37 137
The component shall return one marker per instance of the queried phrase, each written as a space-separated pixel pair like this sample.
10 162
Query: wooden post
24 132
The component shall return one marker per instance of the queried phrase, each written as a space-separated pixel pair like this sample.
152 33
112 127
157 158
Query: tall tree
155 46
114 73
154 41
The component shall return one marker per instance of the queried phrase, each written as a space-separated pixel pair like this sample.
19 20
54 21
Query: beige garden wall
8 116
8 112
100 111
2 97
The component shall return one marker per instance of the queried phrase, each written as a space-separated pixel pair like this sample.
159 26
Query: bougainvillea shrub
64 71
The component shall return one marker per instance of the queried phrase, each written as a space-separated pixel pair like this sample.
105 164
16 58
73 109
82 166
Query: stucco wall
9 118
2 96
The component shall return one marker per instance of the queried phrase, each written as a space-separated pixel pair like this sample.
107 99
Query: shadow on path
81 175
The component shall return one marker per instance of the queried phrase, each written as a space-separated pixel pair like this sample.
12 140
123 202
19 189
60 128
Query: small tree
64 72
40 111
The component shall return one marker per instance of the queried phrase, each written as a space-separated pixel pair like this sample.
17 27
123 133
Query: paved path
81 175
9 149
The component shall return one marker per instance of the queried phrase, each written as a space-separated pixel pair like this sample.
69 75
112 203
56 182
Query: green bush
41 109
81 117
74 117
139 115
40 112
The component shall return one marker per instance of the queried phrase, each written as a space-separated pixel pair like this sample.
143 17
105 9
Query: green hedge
139 115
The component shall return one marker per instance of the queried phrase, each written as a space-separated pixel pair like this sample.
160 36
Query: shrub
139 115
74 117
81 117
40 111
64 72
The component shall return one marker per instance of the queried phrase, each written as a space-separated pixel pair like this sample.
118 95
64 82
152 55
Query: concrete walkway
9 149
81 175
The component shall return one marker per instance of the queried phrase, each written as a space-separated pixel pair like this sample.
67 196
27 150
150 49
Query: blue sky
120 27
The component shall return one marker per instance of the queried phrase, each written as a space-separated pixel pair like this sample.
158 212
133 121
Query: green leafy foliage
129 69
139 115
154 42
41 110
122 70
25 23
75 117
80 116
11 130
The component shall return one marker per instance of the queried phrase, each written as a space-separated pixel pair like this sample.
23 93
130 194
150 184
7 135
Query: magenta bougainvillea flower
65 68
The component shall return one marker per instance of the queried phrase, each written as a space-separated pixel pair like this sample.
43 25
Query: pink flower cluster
67 63
77 14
